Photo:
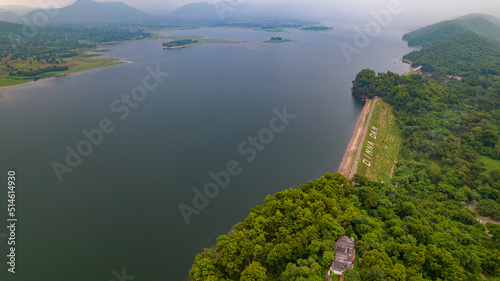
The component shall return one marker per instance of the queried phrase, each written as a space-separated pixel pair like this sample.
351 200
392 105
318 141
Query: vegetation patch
381 145
490 164
316 28
189 40
488 208
179 43
399 236
464 54
271 29
277 40
71 65
465 46
56 50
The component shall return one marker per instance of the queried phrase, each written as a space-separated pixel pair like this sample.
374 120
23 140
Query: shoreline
82 66
353 146
361 142
99 53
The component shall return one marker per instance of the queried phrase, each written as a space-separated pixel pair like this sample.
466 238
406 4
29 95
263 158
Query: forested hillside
463 54
433 34
465 46
406 233
485 25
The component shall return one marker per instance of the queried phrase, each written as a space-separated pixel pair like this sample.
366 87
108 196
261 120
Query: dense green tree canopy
463 54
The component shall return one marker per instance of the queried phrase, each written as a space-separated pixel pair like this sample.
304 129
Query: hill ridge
89 11
478 23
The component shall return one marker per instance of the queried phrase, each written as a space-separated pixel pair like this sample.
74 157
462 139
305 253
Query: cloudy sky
439 8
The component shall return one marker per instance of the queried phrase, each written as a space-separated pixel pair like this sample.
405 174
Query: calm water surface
119 207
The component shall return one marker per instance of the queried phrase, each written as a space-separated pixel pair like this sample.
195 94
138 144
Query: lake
118 208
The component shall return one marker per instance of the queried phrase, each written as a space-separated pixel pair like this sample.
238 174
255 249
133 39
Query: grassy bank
75 64
381 145
490 164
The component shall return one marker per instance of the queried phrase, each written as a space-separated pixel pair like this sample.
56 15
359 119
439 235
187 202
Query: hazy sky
443 8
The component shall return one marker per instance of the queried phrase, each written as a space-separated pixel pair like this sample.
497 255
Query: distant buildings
344 256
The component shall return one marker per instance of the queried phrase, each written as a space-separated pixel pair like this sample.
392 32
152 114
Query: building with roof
344 256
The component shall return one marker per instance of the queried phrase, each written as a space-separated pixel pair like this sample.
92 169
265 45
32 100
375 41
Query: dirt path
483 220
352 147
360 146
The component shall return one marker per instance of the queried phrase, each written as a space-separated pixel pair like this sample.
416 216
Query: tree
204 269
254 272
351 275
441 264
497 150
494 229
487 208
406 209
373 274
398 273
489 138
492 263
364 84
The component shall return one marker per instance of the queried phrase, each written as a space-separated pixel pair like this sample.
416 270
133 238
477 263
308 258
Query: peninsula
179 43
57 51
427 147
316 28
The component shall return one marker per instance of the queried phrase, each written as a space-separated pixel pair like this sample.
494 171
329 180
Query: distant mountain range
482 24
88 11
91 12
17 9
233 10
13 13
214 12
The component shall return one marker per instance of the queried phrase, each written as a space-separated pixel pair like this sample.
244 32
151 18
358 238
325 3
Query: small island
316 28
179 43
277 40
182 41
